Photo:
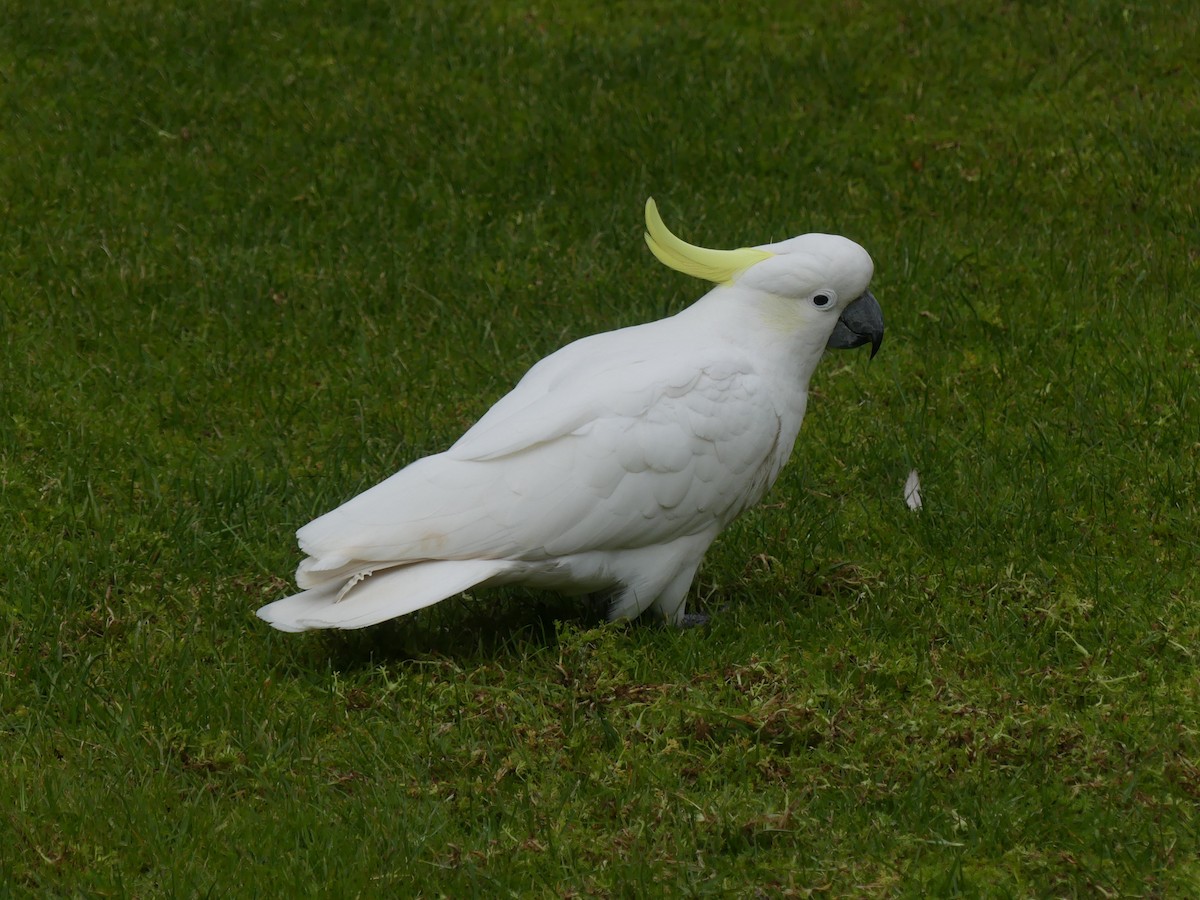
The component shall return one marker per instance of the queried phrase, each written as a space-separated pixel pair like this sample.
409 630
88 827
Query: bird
616 461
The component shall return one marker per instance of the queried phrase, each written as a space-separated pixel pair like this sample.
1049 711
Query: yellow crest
718 266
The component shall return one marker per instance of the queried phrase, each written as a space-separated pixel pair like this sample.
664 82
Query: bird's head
821 279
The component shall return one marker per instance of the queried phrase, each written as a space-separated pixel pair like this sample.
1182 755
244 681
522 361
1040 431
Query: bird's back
618 442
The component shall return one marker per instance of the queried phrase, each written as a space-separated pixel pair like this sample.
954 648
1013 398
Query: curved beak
860 322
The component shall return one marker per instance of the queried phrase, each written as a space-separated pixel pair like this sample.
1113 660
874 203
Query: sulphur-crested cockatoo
615 462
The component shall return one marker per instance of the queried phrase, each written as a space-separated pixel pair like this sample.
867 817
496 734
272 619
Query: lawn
256 257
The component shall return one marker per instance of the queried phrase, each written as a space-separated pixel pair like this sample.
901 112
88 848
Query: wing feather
600 450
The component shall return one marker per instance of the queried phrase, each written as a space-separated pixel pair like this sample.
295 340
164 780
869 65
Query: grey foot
694 620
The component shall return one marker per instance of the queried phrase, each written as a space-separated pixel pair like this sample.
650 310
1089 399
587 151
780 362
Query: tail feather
314 572
380 596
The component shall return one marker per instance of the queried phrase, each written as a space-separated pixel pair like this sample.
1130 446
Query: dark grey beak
860 322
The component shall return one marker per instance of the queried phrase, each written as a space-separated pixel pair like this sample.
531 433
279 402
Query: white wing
622 440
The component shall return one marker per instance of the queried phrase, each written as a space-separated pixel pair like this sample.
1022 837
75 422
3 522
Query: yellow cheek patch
719 266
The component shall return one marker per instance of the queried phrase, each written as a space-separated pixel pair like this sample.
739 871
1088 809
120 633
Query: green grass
255 257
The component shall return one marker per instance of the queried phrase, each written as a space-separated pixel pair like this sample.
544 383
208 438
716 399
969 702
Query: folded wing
593 451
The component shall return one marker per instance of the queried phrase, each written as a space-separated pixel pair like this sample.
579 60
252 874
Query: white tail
380 596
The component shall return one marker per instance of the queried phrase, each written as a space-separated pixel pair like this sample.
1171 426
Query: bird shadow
467 630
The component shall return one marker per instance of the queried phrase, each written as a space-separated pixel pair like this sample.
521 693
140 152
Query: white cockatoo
616 461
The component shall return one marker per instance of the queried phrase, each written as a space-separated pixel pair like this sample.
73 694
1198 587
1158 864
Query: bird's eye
822 301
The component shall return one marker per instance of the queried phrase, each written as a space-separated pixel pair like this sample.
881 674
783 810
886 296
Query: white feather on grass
912 491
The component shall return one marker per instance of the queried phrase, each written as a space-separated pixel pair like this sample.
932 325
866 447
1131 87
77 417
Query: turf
255 257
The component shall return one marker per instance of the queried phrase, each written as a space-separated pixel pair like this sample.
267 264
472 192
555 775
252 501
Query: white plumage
615 462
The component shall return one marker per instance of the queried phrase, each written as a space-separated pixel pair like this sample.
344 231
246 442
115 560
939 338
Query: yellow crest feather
718 266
